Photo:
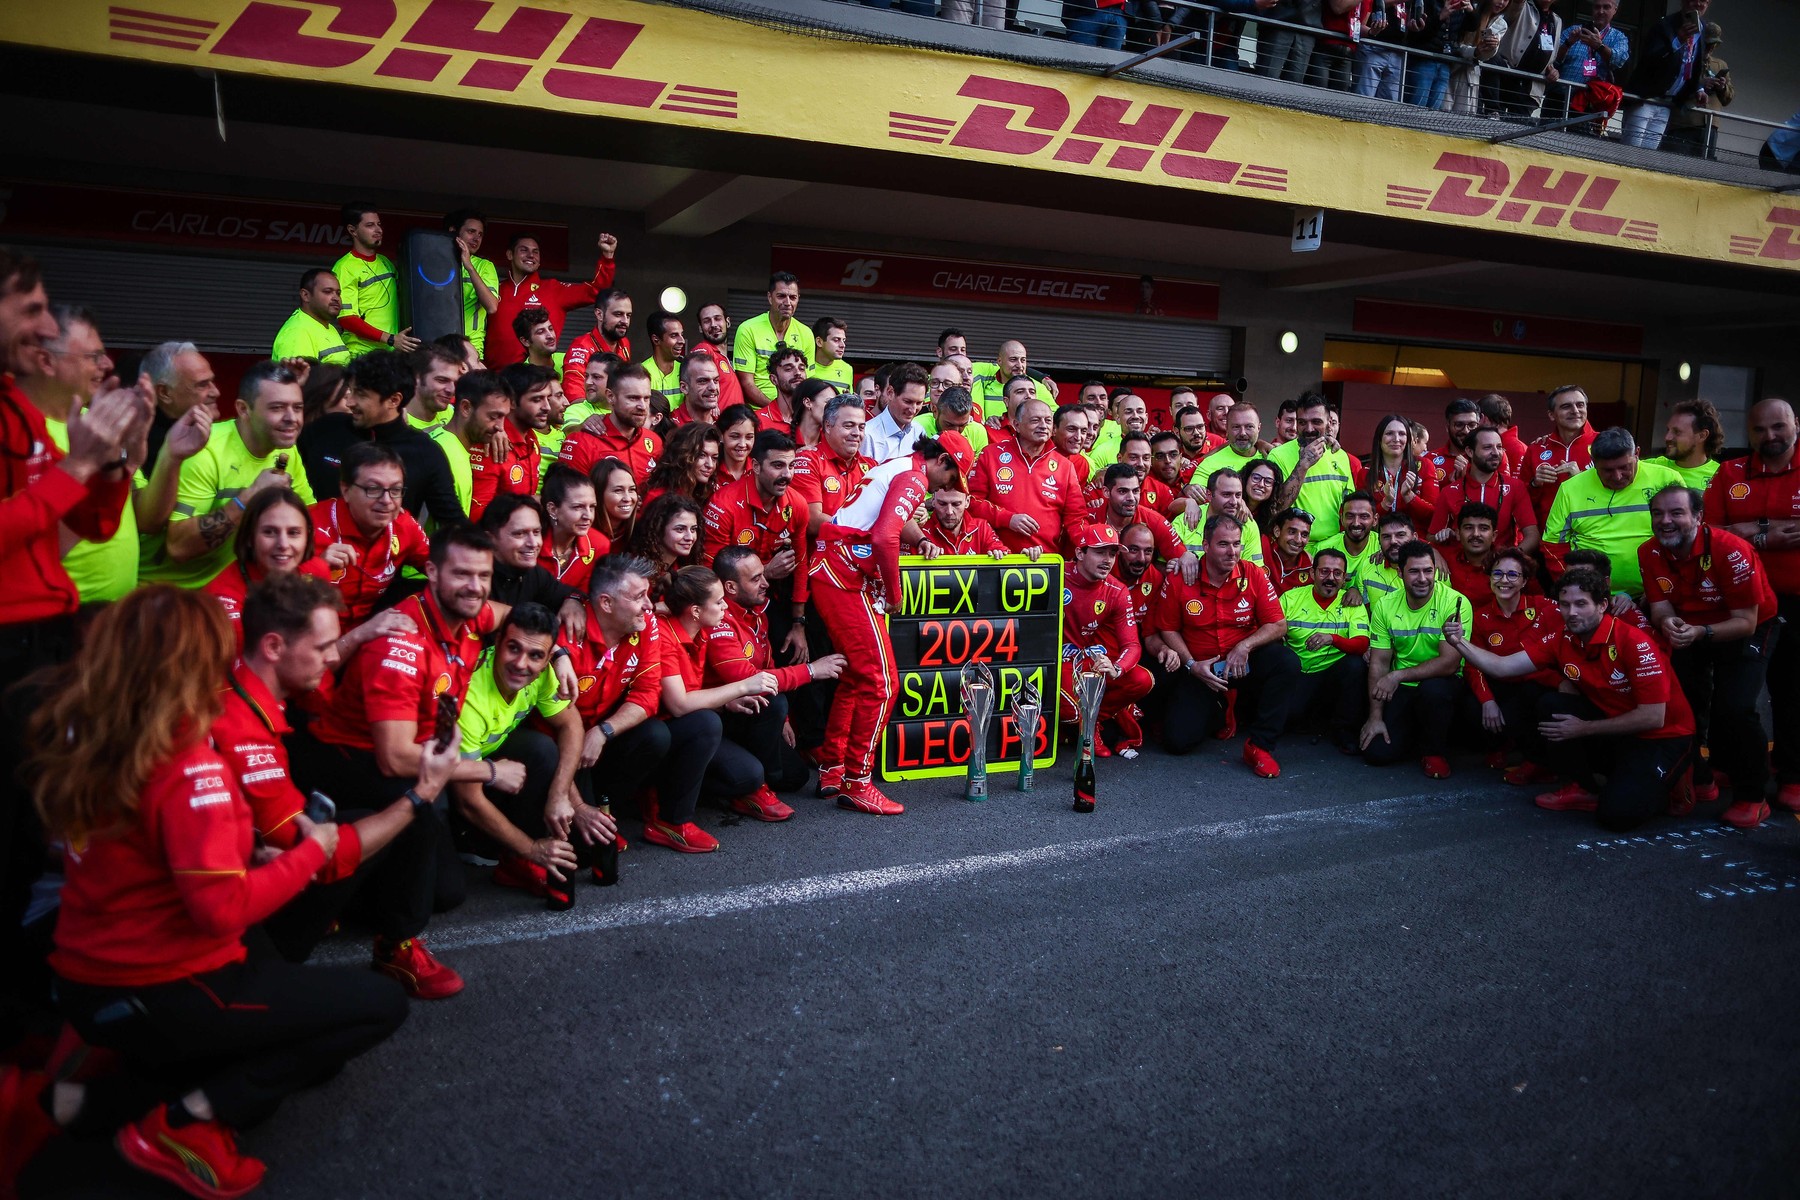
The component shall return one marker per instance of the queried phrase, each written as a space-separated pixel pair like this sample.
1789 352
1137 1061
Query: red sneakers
1260 761
1570 797
1435 766
1746 814
1228 727
515 871
1788 796
861 795
762 804
201 1158
24 1125
1706 793
831 781
1528 773
423 977
686 837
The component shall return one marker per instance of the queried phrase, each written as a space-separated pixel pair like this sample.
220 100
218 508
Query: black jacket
1659 60
428 480
515 587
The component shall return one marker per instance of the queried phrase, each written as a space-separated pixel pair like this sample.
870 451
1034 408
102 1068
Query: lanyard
337 536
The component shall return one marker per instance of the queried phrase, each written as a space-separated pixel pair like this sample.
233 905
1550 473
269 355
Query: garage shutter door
223 305
892 329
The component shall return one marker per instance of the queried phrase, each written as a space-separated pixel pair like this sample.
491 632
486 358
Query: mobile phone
320 808
446 721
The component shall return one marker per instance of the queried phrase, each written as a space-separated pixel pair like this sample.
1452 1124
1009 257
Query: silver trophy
1028 713
978 703
1090 690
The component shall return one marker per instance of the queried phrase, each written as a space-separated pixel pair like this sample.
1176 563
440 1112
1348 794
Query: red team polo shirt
1618 669
822 478
1720 573
172 896
589 548
1284 577
1535 620
608 676
1144 594
379 557
1045 488
738 647
1743 490
1100 615
975 536
738 515
1502 493
1211 620
638 450
399 677
517 473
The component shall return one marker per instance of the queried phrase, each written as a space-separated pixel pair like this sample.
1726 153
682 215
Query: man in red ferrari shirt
855 575
1223 631
1472 558
737 648
1758 499
364 537
1485 481
1626 718
949 529
612 321
1561 454
1284 550
627 437
1122 488
385 855
715 328
524 288
1100 633
518 470
1462 417
759 511
1710 597
828 472
1027 491
1497 413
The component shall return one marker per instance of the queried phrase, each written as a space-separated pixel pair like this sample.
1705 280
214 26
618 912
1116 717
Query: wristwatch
606 730
418 801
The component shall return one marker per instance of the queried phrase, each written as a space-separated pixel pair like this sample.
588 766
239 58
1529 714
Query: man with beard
715 327
1692 441
1243 428
376 386
1485 481
1413 684
1100 633
1315 468
1329 636
1624 718
1123 490
482 405
311 330
760 513
625 435
1709 595
700 392
1473 558
1355 538
1462 417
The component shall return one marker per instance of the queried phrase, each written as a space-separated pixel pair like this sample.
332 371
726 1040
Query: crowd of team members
644 585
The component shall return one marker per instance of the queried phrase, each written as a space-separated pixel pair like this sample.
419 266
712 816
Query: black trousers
1339 694
24 649
672 756
1195 710
1723 681
1418 721
246 1035
1518 700
354 780
393 889
1631 775
760 733
1784 693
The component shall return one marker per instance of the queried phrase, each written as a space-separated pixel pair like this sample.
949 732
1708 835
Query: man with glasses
952 409
1505 619
364 536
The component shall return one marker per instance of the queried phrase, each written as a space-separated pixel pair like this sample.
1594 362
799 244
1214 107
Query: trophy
978 703
1028 713
1090 689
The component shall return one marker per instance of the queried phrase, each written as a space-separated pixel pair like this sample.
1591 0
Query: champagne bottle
1084 778
606 854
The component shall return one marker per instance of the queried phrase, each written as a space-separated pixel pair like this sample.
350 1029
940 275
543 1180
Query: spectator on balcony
1591 52
1690 130
1529 45
1667 75
988 13
1782 151
1428 30
1477 31
1097 23
1332 56
1285 53
1380 64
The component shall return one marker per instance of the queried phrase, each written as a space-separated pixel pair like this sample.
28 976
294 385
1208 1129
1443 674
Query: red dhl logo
1780 243
1474 186
1027 119
447 32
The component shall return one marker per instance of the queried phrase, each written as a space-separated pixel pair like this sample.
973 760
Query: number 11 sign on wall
970 608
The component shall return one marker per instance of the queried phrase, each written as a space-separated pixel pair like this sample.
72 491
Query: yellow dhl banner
673 66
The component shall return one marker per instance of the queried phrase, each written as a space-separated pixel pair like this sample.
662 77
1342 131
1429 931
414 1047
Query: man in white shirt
893 431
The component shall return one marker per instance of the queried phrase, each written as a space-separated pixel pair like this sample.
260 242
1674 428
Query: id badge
1545 42
1590 68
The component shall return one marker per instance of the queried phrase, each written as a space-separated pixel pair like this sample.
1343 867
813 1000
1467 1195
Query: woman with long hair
1262 483
669 534
737 428
810 399
695 603
689 465
323 391
161 883
1476 33
616 498
1395 479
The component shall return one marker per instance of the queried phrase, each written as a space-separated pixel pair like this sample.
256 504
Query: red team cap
957 446
1097 537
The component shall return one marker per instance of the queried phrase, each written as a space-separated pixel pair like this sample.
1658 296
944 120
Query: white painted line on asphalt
594 912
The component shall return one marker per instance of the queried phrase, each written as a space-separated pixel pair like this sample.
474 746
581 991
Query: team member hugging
1100 633
1224 631
1623 733
548 822
1413 685
385 861
161 882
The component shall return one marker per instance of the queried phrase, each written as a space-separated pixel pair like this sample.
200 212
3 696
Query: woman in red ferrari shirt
616 494
161 883
689 466
669 535
737 428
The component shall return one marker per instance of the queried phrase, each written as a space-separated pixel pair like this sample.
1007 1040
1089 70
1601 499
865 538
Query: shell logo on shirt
832 485
1663 582
1195 608
516 474
1572 671
441 684
585 683
1495 639
1004 474
338 573
746 537
1739 491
